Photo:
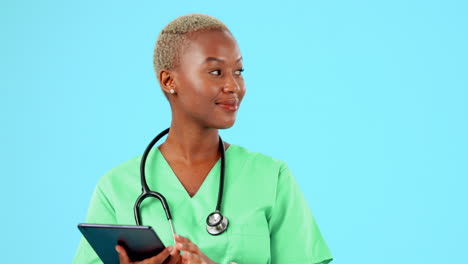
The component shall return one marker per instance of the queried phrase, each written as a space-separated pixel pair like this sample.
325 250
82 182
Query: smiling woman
199 67
206 83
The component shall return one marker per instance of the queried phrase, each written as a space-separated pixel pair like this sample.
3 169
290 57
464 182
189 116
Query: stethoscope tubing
146 192
221 179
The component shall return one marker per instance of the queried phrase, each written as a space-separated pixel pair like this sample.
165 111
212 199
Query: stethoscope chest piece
216 223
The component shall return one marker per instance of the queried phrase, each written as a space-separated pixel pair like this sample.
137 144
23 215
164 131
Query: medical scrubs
269 219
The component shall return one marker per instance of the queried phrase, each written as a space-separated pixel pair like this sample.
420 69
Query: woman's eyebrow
209 59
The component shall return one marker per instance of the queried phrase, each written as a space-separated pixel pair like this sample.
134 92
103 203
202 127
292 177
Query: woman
199 67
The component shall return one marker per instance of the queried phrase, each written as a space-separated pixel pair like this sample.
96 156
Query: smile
229 105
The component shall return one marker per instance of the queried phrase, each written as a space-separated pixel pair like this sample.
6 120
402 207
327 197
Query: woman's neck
191 144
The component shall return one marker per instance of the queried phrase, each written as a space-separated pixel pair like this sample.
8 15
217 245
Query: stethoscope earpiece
216 223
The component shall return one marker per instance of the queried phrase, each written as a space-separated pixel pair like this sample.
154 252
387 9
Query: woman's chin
226 127
225 124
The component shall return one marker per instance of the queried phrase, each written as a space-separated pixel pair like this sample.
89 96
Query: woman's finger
123 257
191 258
175 256
184 244
158 259
188 247
181 239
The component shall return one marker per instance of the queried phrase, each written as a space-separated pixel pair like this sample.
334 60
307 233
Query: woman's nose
231 85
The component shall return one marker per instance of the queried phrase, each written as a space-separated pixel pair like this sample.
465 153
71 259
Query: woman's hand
161 258
192 254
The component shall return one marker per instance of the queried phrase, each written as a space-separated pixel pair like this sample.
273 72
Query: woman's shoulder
241 155
126 171
255 173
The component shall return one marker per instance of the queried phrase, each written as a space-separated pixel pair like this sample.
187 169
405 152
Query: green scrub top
269 219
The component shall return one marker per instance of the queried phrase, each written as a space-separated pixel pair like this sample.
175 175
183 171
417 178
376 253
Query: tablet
140 242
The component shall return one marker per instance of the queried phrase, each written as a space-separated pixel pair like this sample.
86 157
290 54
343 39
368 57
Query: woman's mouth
228 104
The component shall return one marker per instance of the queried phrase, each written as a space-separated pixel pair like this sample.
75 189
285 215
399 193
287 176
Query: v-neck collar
207 183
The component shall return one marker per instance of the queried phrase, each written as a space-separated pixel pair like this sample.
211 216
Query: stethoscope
216 223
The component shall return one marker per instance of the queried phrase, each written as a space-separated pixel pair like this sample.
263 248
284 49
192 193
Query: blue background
365 100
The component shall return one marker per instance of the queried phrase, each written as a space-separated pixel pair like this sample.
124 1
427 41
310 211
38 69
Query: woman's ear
166 80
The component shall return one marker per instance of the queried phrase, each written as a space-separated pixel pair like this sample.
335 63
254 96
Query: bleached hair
173 37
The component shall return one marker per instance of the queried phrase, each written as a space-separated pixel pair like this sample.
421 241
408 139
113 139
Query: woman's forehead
211 46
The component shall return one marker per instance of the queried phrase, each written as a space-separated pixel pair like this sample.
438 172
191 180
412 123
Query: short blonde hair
174 35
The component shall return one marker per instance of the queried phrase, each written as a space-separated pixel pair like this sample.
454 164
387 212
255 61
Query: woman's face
208 80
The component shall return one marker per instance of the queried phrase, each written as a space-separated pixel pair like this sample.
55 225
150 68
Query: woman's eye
239 72
215 72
